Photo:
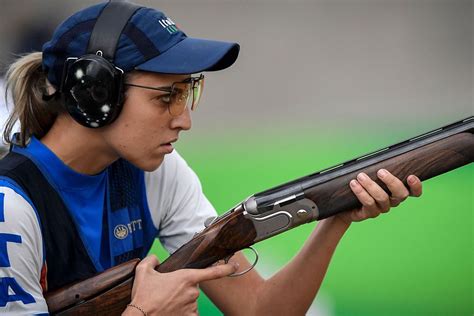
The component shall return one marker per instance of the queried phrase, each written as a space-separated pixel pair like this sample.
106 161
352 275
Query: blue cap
150 41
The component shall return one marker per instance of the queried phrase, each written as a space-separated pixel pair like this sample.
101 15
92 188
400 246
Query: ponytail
26 83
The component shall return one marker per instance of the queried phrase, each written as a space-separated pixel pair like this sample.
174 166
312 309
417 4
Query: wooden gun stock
270 212
97 286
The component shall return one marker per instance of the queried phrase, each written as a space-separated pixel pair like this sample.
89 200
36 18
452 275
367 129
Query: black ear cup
92 89
91 85
99 94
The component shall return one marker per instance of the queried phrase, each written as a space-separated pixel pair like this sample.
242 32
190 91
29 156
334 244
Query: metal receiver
283 214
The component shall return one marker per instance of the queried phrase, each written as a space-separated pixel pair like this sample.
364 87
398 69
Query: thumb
215 272
149 262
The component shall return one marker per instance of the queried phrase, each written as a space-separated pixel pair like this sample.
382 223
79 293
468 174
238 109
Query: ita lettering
11 291
4 239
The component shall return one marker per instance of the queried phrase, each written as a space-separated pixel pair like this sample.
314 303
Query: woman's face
144 130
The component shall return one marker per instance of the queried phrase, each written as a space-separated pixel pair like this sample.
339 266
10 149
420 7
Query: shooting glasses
186 93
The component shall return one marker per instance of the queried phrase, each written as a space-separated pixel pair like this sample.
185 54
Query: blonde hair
26 83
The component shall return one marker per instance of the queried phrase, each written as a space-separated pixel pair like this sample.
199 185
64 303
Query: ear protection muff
91 85
92 90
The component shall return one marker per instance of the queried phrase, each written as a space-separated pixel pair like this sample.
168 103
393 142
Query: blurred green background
415 260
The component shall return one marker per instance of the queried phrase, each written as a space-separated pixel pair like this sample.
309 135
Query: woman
92 177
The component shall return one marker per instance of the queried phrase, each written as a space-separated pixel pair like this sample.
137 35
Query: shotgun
271 212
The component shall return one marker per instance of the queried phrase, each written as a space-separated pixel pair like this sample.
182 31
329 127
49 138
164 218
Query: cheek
136 134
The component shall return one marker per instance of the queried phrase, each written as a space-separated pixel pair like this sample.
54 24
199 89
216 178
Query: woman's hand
374 199
173 293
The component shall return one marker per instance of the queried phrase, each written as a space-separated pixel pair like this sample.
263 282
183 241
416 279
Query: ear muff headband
109 26
92 84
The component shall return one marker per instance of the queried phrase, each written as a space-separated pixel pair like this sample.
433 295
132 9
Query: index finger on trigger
214 272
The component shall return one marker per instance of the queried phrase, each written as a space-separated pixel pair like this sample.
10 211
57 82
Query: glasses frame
192 80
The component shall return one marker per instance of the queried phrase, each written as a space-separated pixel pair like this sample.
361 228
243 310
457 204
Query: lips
167 148
170 142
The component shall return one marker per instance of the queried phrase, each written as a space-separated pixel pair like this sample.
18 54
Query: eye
164 98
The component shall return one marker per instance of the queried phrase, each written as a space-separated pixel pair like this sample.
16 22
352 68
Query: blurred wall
313 62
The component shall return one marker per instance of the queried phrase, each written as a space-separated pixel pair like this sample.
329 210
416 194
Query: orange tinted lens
180 97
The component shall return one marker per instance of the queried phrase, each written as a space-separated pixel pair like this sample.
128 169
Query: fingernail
382 173
362 176
411 180
236 265
354 183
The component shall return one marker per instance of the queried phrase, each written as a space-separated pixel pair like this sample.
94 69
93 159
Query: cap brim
193 55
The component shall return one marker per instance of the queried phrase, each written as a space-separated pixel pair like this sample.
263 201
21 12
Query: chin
150 165
144 162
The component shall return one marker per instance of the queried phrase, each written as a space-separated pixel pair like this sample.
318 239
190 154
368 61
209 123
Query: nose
183 121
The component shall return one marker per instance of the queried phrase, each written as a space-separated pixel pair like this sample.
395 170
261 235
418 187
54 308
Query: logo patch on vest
120 231
126 231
